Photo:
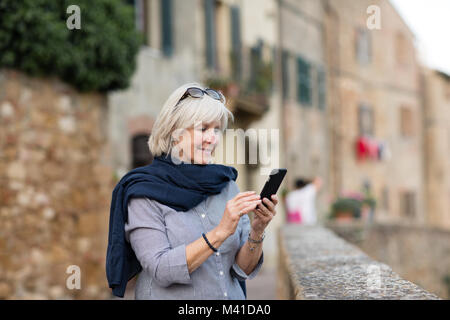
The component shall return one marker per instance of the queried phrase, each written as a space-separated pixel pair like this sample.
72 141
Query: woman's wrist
256 234
217 236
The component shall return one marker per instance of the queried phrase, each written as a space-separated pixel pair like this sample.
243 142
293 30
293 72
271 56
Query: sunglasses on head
198 93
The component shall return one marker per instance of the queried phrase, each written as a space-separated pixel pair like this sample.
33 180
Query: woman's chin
203 157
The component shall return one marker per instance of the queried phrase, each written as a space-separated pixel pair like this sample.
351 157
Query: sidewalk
263 286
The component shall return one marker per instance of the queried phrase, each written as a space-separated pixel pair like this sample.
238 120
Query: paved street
263 286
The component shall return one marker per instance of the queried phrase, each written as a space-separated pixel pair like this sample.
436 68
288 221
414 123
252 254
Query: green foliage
100 56
261 80
217 82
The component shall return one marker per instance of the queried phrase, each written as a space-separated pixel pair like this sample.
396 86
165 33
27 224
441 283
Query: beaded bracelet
257 241
209 244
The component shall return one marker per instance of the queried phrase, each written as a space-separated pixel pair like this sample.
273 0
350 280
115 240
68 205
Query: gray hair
183 116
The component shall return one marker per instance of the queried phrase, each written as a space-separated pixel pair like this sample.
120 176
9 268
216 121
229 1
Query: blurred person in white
301 202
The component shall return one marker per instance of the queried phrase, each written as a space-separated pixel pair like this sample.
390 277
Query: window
285 73
236 46
321 88
406 122
385 198
363 46
154 19
408 204
210 33
255 64
304 81
401 48
166 27
365 121
140 151
141 17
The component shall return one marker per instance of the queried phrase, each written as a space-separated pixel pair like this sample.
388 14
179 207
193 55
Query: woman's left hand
263 215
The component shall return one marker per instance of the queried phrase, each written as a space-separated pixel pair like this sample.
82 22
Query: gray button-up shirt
159 235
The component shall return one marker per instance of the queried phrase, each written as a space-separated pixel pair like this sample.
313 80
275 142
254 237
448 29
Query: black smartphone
273 183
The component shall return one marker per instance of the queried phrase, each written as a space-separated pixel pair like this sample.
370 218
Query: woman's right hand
242 203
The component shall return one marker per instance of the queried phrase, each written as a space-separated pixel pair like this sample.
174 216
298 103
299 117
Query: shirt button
221 273
217 253
203 215
225 294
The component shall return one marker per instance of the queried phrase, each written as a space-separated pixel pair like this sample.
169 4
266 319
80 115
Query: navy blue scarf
178 186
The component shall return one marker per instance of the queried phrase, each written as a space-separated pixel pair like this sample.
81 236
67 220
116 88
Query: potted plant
345 209
229 87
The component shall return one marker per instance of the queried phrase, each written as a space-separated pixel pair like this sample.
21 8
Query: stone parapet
317 264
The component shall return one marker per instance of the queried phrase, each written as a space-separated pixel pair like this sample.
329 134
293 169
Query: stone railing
417 253
317 264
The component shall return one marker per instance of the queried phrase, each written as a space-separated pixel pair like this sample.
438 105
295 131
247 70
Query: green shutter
285 73
236 46
210 29
304 82
166 27
255 64
321 88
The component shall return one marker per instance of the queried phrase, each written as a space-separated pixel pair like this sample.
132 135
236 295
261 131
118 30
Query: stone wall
419 254
55 189
317 264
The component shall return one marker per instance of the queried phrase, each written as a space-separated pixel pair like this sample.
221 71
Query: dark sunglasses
198 93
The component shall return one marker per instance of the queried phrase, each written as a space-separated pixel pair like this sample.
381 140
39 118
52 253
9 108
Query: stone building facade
303 68
375 102
55 187
436 121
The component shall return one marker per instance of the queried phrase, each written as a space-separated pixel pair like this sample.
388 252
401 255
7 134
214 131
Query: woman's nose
211 136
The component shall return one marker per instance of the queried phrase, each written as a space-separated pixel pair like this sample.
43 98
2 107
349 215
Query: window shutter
166 27
363 46
321 88
365 121
407 128
408 204
304 81
210 29
385 198
255 64
285 73
236 42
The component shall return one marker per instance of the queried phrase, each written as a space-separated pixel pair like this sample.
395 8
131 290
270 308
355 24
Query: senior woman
181 221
